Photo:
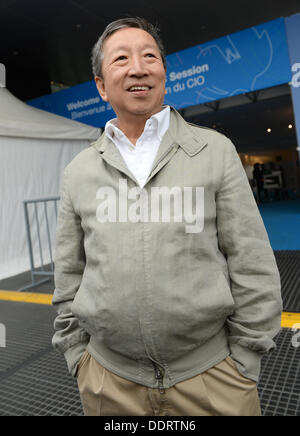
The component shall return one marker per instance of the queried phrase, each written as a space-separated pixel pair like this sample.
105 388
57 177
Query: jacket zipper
159 375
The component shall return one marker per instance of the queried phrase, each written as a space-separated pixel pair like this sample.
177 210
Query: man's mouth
139 88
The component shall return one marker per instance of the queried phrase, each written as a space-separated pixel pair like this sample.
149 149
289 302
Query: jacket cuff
247 361
73 356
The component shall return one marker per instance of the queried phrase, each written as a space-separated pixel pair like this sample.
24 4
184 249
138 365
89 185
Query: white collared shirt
139 158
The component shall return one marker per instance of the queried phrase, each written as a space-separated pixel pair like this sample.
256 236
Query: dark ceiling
44 41
248 125
51 41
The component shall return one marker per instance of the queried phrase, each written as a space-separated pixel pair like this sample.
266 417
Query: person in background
259 181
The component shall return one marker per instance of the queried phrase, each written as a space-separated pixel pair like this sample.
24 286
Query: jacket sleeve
254 276
69 337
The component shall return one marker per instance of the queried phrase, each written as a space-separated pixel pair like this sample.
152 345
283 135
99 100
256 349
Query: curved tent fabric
35 147
18 119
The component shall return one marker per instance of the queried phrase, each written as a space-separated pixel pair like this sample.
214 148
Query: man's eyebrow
124 47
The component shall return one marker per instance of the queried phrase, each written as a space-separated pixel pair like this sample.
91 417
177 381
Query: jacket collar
179 132
183 134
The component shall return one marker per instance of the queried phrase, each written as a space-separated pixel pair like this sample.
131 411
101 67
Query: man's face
133 74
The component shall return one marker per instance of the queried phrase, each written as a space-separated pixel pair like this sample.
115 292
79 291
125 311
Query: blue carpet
282 222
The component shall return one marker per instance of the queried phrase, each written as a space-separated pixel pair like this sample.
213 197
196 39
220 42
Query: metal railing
40 270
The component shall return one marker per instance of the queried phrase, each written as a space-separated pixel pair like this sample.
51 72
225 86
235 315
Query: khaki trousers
220 391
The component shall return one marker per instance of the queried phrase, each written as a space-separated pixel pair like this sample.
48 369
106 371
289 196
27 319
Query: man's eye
121 58
150 55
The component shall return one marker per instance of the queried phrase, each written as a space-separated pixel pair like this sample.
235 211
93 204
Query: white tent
35 147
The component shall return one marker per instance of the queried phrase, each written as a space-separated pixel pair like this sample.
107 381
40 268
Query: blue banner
246 61
293 36
80 103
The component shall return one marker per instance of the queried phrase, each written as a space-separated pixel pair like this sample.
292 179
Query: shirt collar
158 123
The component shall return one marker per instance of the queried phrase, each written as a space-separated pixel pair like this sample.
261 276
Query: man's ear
101 88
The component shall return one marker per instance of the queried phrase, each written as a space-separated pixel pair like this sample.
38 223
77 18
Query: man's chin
146 112
140 110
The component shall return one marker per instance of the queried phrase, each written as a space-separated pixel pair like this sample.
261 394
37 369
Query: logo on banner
2 76
296 77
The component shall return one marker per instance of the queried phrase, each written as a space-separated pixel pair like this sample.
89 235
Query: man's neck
132 131
133 127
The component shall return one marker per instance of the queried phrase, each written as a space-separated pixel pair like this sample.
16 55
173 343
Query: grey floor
34 380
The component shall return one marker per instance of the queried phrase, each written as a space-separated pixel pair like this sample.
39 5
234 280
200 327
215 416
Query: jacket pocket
229 360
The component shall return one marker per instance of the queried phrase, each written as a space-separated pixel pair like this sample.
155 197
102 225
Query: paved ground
34 379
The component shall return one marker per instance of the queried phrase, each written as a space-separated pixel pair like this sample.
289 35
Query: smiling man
132 79
156 317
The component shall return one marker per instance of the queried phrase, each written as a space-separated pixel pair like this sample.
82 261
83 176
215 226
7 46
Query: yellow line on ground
288 319
26 297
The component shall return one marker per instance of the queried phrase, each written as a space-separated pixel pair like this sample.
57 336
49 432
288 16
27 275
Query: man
167 289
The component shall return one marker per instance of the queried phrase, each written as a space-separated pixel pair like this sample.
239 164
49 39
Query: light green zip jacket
153 296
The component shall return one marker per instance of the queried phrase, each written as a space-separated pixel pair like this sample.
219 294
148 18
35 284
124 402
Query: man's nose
138 67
